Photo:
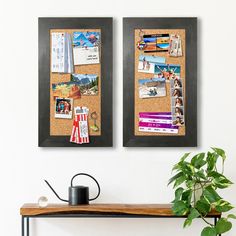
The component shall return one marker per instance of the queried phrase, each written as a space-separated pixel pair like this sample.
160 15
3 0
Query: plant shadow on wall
196 183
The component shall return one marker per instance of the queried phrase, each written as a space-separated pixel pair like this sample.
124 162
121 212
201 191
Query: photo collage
160 81
75 63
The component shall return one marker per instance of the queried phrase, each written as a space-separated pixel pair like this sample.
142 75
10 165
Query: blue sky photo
81 39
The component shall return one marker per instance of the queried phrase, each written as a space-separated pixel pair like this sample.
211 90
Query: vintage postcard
63 108
86 48
147 63
157 42
66 90
151 88
167 71
88 83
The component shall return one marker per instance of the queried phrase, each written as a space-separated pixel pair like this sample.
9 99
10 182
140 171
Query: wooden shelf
151 210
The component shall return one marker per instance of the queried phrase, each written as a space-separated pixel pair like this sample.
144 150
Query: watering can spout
55 192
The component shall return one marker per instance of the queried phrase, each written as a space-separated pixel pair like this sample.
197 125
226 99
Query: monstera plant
196 182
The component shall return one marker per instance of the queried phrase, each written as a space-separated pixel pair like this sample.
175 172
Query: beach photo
86 39
167 71
151 88
88 83
147 63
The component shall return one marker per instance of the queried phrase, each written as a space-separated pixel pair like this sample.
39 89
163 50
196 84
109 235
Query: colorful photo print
167 71
66 90
147 63
157 42
86 39
88 83
176 83
63 108
178 120
177 102
151 88
178 111
176 92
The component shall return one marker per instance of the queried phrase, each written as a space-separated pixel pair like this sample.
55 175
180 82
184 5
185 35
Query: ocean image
150 40
150 88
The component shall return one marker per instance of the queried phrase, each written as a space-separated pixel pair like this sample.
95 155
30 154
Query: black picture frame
190 26
45 24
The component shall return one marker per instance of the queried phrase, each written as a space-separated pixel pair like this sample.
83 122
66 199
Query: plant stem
206 221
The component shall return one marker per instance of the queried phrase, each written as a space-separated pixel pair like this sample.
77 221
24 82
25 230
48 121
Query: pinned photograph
151 88
178 121
66 90
147 63
178 111
177 102
63 108
86 48
175 46
176 93
88 83
157 42
176 83
167 71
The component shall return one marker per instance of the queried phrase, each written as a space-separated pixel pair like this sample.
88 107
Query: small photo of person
178 121
177 83
177 93
63 108
178 102
178 111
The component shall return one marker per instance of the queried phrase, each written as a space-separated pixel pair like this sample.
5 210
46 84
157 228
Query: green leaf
200 174
219 180
175 177
208 231
184 156
232 216
210 194
180 208
178 194
187 196
203 206
220 152
223 225
179 181
192 215
223 206
198 160
211 161
189 183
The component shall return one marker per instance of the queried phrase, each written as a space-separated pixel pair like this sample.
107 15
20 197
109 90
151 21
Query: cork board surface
63 127
161 104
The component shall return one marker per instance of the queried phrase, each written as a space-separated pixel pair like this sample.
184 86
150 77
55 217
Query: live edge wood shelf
28 211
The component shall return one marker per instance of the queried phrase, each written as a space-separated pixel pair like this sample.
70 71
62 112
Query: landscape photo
66 90
88 83
150 88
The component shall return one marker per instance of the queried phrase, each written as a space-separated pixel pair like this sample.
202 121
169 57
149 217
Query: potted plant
196 183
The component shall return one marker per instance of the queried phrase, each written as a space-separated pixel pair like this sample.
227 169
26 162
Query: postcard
167 71
88 83
157 42
175 46
151 88
159 128
147 63
66 90
86 48
63 108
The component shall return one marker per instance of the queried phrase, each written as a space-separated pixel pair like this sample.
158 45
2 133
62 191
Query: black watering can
78 195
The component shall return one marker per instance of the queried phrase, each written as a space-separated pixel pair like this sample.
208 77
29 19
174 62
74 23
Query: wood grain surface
162 210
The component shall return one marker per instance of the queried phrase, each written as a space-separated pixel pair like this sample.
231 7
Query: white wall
134 175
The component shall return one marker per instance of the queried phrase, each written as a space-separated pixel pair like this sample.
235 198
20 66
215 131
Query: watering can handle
99 190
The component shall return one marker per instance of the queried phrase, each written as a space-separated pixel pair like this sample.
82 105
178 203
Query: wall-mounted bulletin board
160 82
75 82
